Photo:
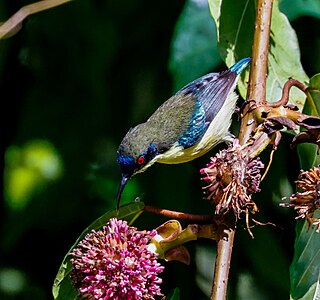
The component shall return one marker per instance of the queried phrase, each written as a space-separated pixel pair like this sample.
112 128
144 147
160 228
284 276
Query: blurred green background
73 80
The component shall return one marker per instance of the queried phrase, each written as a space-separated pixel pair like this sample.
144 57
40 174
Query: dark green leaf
62 287
308 155
194 44
235 23
305 268
173 295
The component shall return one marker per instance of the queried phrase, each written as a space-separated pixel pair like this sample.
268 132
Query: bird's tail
240 65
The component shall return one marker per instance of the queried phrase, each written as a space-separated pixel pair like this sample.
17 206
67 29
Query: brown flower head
308 200
232 177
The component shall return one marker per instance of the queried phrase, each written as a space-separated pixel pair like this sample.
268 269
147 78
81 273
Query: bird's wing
212 91
185 117
180 119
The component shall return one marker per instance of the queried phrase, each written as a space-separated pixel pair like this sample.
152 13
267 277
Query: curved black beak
120 190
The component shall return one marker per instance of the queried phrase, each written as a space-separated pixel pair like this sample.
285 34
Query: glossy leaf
235 24
284 59
62 287
194 44
305 268
234 21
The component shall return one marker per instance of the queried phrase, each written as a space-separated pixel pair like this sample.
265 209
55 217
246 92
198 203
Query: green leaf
234 21
294 9
235 24
284 59
313 293
305 268
173 295
62 288
308 155
194 44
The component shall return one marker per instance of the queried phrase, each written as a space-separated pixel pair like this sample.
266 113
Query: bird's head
136 152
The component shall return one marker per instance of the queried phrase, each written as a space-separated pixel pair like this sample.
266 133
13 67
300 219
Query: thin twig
13 24
260 49
275 146
259 65
178 214
286 90
248 223
268 166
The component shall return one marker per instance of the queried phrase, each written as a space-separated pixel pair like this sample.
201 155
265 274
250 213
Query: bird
184 127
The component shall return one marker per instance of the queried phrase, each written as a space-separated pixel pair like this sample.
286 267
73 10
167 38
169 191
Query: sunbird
184 127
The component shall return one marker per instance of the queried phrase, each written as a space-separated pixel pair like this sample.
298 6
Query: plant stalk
259 66
222 265
256 92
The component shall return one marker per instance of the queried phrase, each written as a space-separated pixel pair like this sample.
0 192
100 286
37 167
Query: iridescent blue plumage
208 99
197 127
239 66
184 127
126 161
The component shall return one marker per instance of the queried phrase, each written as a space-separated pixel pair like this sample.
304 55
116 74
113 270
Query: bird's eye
141 160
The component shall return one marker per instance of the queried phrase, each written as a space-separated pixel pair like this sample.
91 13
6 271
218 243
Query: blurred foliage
29 169
74 80
297 8
194 27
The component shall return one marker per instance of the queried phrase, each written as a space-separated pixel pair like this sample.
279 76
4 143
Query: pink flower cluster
115 263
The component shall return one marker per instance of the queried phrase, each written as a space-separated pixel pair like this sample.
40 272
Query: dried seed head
232 177
307 200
